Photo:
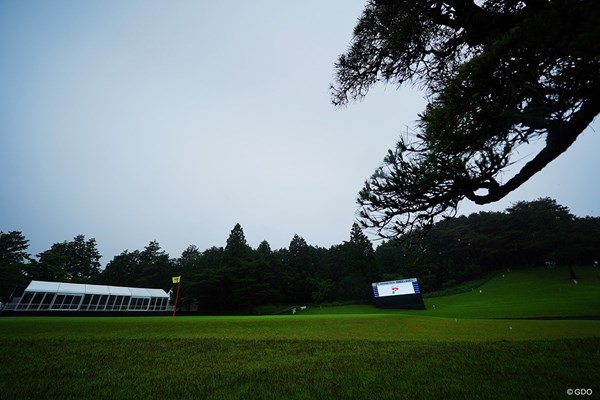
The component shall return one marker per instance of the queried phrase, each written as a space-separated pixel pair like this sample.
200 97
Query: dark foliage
74 261
498 75
13 255
464 248
238 279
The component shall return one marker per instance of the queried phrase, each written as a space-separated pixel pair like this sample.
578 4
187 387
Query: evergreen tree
13 256
156 268
122 270
301 271
187 266
237 248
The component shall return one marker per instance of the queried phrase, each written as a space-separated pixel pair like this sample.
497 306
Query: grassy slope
357 352
535 292
532 292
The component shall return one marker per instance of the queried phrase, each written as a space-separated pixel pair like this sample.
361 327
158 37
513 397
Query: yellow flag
176 279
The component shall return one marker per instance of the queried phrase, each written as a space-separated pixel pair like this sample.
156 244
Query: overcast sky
131 121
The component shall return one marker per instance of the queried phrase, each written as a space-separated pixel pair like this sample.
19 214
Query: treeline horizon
237 277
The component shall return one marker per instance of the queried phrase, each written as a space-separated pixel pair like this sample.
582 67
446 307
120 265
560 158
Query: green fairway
371 327
471 345
280 369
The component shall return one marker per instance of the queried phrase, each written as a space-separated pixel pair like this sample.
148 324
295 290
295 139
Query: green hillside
535 292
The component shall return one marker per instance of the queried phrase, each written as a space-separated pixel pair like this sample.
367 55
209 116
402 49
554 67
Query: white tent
62 296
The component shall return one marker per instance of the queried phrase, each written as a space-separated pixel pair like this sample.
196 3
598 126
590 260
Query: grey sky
130 121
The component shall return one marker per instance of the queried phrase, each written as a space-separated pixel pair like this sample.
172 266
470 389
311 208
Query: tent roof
79 288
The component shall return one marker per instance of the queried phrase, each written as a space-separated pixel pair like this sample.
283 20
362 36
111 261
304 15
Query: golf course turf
482 344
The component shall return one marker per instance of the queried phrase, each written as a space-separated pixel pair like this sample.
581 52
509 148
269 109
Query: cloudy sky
139 120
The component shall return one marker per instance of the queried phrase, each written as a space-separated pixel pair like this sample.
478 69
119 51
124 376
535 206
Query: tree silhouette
498 75
13 254
74 261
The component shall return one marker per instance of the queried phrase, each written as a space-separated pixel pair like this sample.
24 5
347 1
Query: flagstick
176 297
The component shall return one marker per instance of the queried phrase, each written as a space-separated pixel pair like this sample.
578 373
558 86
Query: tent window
35 301
25 301
118 301
138 303
102 302
111 302
95 304
58 301
86 302
66 304
46 301
36 304
75 303
163 304
94 301
126 301
70 302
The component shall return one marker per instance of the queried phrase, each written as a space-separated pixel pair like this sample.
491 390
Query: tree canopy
75 261
238 278
469 247
497 74
13 255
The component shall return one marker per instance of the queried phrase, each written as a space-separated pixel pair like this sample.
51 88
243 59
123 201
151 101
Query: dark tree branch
561 135
497 74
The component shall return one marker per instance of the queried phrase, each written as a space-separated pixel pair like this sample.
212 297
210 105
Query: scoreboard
403 293
396 288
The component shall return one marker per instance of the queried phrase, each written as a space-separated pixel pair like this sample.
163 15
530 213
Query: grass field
523 293
469 346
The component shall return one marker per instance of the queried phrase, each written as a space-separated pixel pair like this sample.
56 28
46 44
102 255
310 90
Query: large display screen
396 288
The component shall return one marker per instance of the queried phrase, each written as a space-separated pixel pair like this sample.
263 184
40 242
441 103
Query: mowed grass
330 328
292 369
462 349
527 293
535 292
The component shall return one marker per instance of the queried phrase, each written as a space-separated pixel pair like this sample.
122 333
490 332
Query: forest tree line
237 277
